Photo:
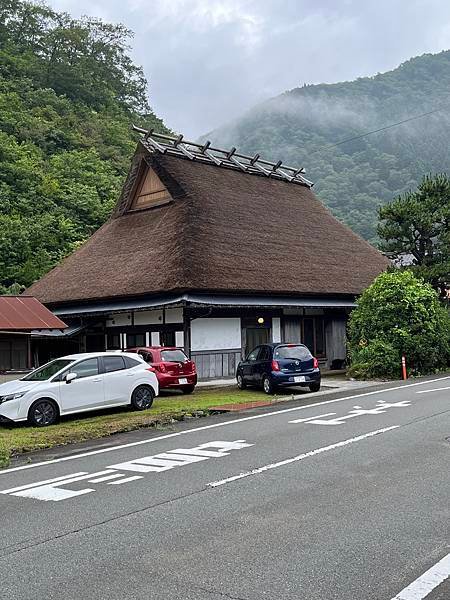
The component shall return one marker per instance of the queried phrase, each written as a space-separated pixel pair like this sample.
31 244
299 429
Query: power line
362 135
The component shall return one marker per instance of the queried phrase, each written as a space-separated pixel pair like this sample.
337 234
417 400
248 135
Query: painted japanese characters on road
357 411
55 489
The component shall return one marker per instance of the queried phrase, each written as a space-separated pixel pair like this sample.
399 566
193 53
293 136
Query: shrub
398 314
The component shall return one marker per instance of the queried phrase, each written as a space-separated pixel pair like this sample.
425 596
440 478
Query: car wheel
142 397
188 389
240 382
268 386
315 387
43 412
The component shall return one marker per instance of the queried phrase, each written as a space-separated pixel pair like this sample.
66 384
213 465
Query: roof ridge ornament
178 146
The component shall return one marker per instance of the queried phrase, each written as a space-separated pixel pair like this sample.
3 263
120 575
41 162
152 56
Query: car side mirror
70 377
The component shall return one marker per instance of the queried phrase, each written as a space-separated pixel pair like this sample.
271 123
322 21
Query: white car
78 383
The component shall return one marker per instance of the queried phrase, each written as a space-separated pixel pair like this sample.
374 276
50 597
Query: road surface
343 499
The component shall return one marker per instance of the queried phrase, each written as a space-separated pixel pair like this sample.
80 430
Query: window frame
70 370
257 350
117 357
266 349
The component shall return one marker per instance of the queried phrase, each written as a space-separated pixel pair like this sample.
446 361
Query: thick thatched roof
217 229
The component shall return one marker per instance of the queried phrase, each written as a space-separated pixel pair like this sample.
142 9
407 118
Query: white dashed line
300 457
427 582
434 390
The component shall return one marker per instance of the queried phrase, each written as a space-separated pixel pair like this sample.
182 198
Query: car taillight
151 369
315 363
160 367
275 365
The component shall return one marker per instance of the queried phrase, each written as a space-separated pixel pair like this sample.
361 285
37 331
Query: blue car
274 365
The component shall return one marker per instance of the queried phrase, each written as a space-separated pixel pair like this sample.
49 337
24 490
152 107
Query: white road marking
30 485
300 457
434 390
184 458
427 582
51 488
357 412
310 418
147 464
205 427
105 478
166 460
126 480
54 492
196 452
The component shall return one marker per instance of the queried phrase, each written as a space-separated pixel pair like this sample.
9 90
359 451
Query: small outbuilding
216 252
19 315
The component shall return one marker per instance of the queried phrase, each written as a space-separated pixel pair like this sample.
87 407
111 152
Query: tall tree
69 93
415 231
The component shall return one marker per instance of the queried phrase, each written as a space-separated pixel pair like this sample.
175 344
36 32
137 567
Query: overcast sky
207 61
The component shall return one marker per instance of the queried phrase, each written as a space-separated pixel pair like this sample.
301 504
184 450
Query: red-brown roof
223 231
26 313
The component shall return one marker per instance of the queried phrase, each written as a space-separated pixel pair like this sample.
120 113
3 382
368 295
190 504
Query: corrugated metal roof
25 313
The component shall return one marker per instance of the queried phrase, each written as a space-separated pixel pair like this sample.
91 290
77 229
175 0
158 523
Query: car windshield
173 356
295 352
46 371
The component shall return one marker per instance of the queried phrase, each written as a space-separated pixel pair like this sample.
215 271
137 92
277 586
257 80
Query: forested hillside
68 95
356 177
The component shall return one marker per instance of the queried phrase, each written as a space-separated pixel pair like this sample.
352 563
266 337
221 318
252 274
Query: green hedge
398 314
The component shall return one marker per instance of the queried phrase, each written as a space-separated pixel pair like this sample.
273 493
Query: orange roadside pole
404 373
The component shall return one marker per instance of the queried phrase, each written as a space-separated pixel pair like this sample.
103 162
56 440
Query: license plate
183 381
299 379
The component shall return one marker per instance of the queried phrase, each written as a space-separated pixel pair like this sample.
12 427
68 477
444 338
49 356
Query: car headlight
14 396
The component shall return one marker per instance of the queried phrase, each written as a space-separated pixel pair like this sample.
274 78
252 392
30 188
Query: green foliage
398 314
377 358
355 178
69 93
416 227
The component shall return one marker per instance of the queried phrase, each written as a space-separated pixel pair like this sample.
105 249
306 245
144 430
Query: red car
173 368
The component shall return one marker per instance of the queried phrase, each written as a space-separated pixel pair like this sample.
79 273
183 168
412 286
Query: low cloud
207 61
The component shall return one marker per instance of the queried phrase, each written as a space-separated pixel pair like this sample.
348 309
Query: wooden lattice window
150 192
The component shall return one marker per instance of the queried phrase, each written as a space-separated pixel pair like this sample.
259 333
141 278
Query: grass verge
19 438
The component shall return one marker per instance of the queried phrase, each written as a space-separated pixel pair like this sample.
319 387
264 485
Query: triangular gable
150 191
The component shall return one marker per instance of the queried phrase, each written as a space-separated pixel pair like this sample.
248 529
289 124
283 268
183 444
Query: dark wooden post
29 357
187 332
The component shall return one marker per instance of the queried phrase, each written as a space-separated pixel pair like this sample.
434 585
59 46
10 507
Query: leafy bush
398 314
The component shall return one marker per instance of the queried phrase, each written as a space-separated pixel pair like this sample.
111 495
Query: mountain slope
356 177
68 95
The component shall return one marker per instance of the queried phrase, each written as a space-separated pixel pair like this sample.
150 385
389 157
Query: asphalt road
347 499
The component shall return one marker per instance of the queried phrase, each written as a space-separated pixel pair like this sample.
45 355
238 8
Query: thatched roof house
198 227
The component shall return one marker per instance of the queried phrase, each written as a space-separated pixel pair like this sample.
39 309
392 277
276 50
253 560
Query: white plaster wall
179 339
174 315
215 334
119 320
155 338
148 317
276 329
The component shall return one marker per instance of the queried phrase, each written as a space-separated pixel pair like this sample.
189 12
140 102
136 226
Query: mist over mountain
354 178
